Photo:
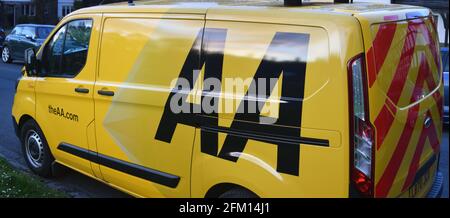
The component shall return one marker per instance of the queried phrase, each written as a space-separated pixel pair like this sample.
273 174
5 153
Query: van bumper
16 126
436 189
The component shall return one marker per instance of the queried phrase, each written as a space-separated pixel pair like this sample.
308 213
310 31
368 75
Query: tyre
238 193
6 55
35 149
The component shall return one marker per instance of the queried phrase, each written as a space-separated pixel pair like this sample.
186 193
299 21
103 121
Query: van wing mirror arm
31 62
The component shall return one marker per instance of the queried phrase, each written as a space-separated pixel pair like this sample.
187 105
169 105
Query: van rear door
405 98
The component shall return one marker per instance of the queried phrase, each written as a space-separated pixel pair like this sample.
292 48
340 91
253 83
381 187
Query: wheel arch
23 119
219 189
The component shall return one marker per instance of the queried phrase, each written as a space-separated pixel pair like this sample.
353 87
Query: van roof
201 6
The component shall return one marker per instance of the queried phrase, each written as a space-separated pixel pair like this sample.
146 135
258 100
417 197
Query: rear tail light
361 130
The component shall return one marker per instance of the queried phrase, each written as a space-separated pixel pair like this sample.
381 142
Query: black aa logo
287 54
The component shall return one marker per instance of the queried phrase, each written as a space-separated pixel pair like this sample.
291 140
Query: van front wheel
35 149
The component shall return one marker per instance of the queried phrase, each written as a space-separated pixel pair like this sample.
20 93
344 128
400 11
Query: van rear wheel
35 149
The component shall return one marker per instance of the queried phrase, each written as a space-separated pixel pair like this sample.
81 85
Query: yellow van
235 99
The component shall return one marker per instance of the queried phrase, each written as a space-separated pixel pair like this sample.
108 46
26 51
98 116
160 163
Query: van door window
76 46
66 53
51 60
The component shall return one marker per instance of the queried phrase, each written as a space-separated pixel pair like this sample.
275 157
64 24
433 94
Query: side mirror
30 62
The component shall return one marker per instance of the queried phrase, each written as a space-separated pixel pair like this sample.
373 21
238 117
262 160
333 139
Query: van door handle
82 90
105 93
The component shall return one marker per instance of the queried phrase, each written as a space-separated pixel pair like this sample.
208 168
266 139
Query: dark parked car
22 37
444 54
2 36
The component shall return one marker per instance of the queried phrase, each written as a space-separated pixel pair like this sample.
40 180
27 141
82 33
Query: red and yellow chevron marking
382 43
399 119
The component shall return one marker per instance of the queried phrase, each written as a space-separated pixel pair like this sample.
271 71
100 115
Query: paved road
76 184
73 183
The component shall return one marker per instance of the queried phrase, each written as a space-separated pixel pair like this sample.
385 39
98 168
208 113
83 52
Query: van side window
76 46
51 60
66 53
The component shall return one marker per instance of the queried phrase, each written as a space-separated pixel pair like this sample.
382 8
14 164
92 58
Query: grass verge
16 184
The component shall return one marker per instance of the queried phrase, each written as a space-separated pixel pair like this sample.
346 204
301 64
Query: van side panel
140 56
232 147
405 92
24 99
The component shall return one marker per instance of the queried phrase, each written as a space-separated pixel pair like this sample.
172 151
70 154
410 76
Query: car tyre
238 193
35 149
6 55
